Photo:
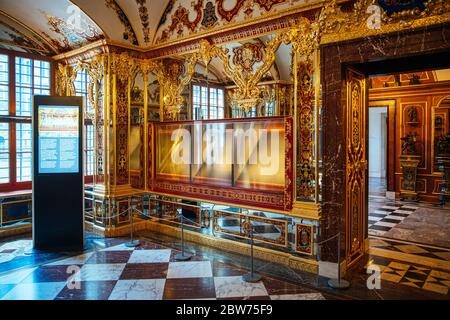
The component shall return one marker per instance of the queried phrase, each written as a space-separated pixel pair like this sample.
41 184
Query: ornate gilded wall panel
304 238
356 163
369 18
123 68
306 184
96 69
274 231
150 155
65 77
121 152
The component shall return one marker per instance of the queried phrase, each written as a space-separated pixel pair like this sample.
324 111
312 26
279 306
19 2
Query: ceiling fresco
183 18
14 36
63 27
56 26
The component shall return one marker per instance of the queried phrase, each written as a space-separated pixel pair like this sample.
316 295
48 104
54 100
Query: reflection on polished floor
417 266
408 241
417 222
148 272
110 270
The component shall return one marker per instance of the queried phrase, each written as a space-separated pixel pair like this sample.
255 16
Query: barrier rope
326 240
176 217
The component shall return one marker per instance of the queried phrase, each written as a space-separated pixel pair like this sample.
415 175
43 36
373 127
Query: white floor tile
149 289
382 212
150 256
385 224
16 276
120 247
403 211
395 217
101 272
189 269
231 287
35 291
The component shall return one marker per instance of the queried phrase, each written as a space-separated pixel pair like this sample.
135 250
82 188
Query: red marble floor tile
49 274
144 271
89 290
189 288
220 269
150 246
110 257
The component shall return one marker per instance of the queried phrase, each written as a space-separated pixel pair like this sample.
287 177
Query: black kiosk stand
58 206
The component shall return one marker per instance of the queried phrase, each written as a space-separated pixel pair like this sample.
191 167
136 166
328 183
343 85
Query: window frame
87 122
12 119
208 100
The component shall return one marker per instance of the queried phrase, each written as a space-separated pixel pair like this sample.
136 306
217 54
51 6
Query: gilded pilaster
123 69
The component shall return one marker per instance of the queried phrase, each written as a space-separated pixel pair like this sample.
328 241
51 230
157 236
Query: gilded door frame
356 200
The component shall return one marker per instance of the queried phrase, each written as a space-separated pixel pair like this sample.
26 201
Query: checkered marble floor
417 250
417 274
386 216
148 272
412 275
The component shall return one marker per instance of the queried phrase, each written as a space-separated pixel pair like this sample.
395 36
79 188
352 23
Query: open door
356 164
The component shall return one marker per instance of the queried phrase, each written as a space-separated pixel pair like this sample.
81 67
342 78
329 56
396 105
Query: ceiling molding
33 32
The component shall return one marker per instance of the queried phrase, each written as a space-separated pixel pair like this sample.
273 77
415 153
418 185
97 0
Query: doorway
399 129
378 120
398 121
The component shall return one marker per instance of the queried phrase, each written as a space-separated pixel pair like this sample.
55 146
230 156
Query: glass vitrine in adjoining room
441 148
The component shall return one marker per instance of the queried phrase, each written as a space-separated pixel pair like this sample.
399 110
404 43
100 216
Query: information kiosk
58 219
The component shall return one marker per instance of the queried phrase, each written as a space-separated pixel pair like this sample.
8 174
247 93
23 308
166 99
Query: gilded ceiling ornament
247 55
123 66
65 77
305 39
95 70
392 7
145 66
337 25
172 78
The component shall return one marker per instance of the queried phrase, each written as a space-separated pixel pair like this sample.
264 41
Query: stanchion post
252 276
132 243
182 256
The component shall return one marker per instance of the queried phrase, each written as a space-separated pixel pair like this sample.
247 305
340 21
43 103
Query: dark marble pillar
335 58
